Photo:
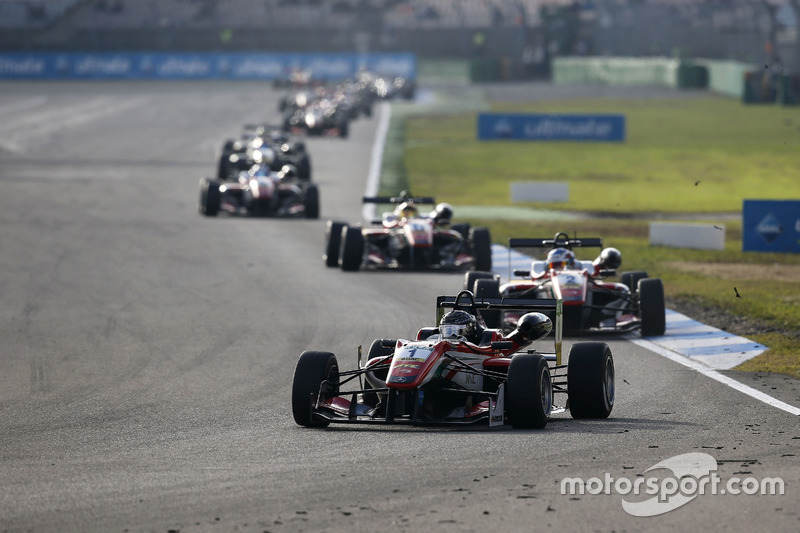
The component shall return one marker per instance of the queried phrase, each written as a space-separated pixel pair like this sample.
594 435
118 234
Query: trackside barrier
539 191
696 236
201 65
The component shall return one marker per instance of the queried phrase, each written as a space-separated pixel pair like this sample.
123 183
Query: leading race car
260 192
410 239
591 304
459 373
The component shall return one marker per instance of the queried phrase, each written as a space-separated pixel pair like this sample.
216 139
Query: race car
460 373
263 145
260 192
323 117
591 304
407 238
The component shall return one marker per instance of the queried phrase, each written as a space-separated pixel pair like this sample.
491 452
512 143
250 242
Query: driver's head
458 323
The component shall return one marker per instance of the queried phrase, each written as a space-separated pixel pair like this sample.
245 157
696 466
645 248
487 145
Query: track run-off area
148 354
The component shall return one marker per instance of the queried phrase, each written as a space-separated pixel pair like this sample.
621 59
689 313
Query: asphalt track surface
147 354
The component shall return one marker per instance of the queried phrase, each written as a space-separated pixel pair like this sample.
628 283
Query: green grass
733 151
702 155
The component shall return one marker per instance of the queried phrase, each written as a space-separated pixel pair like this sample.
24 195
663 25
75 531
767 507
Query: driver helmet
407 210
459 323
560 258
443 214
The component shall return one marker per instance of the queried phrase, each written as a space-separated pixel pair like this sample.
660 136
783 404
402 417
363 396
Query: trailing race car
591 304
459 373
408 238
263 145
260 192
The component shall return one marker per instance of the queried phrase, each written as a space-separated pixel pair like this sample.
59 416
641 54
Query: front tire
312 370
590 380
333 242
352 248
210 197
529 392
651 307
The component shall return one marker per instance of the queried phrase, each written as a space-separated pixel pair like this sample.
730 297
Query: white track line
716 376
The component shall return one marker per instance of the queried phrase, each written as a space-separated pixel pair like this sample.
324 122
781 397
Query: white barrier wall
539 191
697 236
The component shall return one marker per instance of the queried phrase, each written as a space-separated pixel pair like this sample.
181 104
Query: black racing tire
631 279
304 168
352 250
463 228
210 197
312 369
333 242
651 307
528 392
224 166
590 380
376 349
311 201
344 130
482 246
474 275
489 288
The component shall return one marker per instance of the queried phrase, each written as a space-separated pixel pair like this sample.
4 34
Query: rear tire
651 307
489 288
631 279
462 228
482 248
333 242
529 392
352 248
474 275
210 197
312 369
590 380
304 168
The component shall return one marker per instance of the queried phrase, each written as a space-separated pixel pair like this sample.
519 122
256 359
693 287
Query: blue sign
771 226
536 127
236 66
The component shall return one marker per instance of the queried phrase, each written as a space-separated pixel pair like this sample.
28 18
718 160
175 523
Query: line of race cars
483 361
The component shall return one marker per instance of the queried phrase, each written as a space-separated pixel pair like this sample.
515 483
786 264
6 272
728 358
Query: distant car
459 373
260 192
406 238
263 145
591 304
324 117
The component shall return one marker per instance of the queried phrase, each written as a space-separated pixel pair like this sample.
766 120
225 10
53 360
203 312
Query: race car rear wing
398 199
560 241
466 301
